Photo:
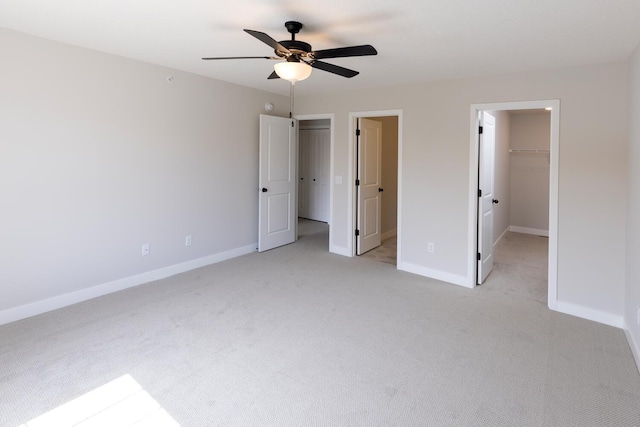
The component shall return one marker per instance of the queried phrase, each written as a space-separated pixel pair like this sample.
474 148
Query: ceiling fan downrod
293 27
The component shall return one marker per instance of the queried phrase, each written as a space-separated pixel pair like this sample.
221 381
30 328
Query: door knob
495 201
264 190
380 190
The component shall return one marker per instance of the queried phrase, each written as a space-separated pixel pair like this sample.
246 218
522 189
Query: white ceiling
417 40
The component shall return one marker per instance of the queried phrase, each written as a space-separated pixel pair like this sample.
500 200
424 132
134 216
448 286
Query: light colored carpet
520 267
297 336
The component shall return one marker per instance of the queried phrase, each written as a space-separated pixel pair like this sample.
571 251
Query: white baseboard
635 345
526 230
60 301
435 274
590 314
390 233
340 250
504 233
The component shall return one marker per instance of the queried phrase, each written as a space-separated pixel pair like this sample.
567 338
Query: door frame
554 151
352 200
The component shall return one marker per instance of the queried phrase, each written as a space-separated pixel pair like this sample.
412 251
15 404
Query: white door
486 162
303 172
319 153
369 184
277 201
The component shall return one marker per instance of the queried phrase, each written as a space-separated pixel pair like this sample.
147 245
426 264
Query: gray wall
389 173
633 209
530 172
100 154
436 162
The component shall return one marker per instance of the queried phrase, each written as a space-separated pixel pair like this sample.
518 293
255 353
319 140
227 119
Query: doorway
314 151
375 211
517 151
315 169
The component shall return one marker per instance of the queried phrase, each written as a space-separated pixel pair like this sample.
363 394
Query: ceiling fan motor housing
298 48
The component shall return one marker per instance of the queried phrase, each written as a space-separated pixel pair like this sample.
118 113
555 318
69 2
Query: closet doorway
521 218
315 169
314 159
382 154
524 186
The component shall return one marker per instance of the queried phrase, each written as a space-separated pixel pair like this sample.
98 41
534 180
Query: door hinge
357 232
479 193
479 256
480 130
357 182
292 123
357 132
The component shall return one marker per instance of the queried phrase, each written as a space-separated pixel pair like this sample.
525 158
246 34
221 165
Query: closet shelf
528 151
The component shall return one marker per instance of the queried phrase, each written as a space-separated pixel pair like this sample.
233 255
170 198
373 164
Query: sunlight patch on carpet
121 402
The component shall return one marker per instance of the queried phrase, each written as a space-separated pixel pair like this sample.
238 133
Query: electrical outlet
187 240
431 247
145 249
638 316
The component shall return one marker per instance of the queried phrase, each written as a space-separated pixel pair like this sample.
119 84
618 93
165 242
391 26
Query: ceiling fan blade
273 75
242 57
342 52
265 38
341 71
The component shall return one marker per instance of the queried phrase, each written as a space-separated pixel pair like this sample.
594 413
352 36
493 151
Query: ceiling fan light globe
293 71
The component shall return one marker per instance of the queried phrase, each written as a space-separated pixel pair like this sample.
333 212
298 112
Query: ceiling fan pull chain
291 96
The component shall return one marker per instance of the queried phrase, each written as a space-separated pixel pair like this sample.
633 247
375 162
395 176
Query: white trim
351 202
351 198
590 314
434 274
525 230
400 191
60 301
340 250
472 216
633 344
554 171
553 188
504 233
388 234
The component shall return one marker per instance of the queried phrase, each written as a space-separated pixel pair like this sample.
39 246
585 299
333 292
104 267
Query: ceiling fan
299 58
